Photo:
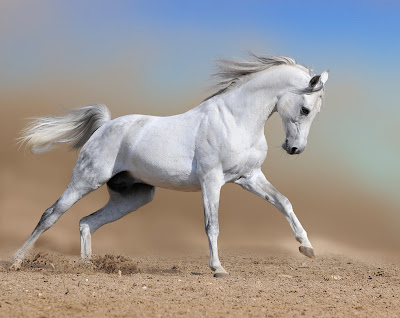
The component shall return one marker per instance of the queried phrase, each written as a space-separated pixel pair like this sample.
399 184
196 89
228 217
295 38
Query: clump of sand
99 263
115 263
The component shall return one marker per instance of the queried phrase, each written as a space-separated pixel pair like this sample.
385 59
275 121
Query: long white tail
75 127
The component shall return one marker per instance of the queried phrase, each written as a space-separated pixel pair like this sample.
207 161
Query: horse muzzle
292 150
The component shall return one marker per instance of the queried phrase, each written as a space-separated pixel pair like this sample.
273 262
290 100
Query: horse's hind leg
124 198
49 217
83 181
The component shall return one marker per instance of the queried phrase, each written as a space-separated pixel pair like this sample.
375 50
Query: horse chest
241 157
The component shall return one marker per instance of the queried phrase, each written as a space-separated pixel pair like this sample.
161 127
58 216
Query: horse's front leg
258 184
211 188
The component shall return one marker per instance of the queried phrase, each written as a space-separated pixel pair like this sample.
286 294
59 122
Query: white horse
221 140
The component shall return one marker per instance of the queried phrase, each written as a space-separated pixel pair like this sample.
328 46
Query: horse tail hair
75 127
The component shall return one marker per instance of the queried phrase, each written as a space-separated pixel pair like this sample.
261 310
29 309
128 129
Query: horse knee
85 226
284 203
83 223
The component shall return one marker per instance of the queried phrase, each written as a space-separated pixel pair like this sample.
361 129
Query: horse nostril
293 150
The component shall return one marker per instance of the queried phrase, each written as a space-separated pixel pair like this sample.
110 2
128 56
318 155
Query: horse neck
255 101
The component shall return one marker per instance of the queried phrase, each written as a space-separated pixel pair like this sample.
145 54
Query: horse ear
318 79
324 77
314 81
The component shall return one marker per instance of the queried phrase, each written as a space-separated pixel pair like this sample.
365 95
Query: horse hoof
221 274
16 266
307 251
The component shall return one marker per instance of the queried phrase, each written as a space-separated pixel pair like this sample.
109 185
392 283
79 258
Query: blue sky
331 33
168 47
368 28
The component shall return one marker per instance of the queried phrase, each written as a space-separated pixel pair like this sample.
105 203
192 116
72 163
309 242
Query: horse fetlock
217 268
84 228
303 239
215 265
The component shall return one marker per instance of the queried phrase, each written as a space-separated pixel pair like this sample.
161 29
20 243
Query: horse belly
165 160
170 173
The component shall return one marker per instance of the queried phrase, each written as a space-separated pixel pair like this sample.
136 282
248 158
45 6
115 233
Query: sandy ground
263 283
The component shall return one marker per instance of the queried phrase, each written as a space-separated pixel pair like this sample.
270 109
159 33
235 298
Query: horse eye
305 111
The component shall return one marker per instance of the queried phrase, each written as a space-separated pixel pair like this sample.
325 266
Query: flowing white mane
230 71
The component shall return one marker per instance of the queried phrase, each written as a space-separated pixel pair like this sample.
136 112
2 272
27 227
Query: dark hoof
221 274
307 251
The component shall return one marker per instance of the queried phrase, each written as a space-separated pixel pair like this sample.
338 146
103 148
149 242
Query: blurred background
156 58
